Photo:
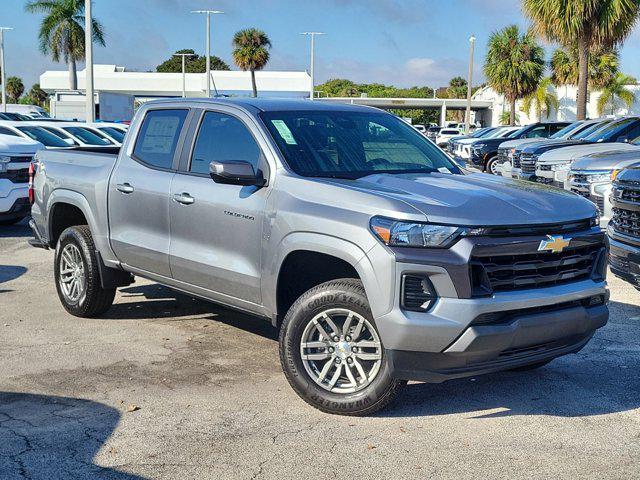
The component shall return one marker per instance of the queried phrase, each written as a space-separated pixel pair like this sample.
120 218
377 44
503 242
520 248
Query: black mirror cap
236 172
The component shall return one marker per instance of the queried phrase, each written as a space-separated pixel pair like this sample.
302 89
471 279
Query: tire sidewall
73 236
297 319
490 163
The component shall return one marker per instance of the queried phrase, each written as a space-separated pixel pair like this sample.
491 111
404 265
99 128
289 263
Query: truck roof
269 104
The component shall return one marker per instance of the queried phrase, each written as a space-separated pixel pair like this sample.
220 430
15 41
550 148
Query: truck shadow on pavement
10 272
19 230
54 437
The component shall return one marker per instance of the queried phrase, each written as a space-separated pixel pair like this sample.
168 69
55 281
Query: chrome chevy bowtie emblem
554 243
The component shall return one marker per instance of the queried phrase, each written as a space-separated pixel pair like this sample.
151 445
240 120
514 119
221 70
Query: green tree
15 89
37 95
194 64
603 67
543 100
505 118
457 88
514 65
251 52
584 25
339 87
616 91
61 32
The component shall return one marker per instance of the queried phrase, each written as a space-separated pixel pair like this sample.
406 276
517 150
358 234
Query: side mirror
236 172
623 139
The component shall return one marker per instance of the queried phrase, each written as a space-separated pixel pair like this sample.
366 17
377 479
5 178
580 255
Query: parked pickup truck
376 256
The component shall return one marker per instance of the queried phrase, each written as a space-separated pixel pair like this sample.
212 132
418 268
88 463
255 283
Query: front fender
345 250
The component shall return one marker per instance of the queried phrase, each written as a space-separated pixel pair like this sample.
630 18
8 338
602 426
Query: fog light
417 293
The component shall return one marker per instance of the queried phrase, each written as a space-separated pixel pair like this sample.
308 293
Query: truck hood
10 145
520 142
477 199
606 161
568 154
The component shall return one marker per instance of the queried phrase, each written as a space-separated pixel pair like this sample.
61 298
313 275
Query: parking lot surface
165 386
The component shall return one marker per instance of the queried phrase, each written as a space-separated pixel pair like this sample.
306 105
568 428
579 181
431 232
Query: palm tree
585 25
62 34
542 99
616 90
251 52
15 89
514 65
505 118
603 67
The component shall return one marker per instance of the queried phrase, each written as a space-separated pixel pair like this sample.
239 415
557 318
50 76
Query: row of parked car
598 159
21 137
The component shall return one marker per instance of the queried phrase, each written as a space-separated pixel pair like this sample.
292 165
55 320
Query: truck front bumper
557 178
464 334
15 202
624 261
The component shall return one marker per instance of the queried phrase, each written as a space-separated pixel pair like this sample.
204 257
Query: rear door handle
184 198
124 188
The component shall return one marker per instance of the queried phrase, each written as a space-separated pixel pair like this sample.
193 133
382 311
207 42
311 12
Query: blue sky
399 42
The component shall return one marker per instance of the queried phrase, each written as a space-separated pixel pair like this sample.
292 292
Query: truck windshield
41 135
566 130
351 145
116 134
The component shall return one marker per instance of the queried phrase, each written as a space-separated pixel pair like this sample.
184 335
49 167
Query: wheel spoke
316 356
318 344
67 257
352 379
367 344
66 279
361 371
347 324
336 376
368 356
66 271
322 331
333 326
358 329
324 371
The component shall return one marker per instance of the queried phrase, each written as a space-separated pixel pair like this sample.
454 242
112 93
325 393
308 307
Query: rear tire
350 342
77 276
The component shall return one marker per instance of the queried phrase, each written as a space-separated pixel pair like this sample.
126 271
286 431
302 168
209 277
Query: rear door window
158 138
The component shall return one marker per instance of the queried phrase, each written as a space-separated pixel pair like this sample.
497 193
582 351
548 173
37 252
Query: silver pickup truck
379 260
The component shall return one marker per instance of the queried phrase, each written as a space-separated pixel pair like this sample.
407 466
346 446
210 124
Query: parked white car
32 131
445 135
15 157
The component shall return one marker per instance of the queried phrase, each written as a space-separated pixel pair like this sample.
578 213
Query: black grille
516 160
528 162
630 195
543 229
417 293
597 199
626 222
500 273
16 176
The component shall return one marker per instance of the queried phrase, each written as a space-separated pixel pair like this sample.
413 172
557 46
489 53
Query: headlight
478 146
560 166
601 177
397 233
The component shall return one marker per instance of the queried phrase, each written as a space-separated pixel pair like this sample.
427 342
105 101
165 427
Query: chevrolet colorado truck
379 260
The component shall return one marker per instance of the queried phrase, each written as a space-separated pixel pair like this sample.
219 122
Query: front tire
77 276
331 352
492 166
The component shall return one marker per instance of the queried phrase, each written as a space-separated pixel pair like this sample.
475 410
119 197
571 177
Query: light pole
88 76
3 77
184 76
208 53
312 35
467 117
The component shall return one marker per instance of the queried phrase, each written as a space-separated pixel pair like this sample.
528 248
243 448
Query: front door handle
184 198
124 188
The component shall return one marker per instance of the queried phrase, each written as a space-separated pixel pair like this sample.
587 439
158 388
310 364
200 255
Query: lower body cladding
14 201
624 260
459 337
